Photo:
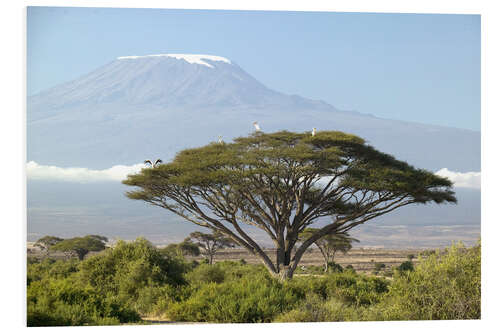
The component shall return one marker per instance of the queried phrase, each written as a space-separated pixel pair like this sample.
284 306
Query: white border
13 197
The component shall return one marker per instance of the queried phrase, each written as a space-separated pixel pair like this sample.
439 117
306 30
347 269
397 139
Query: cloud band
36 171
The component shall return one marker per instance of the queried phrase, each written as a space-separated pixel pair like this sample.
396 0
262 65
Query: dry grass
362 260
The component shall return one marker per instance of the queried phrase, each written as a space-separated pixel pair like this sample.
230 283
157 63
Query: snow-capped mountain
139 107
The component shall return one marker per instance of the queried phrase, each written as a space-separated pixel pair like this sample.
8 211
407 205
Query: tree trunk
285 273
325 257
284 269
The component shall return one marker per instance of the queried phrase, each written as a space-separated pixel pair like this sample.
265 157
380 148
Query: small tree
283 183
184 248
210 243
188 248
330 244
81 245
47 241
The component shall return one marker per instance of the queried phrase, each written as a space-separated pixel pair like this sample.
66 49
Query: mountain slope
135 108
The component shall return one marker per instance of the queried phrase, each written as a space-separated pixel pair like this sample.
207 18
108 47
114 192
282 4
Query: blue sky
415 67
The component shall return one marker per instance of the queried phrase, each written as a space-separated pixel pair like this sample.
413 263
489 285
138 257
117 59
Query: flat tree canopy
282 183
47 241
81 245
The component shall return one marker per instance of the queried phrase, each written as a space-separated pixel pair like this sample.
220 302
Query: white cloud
462 179
119 172
81 175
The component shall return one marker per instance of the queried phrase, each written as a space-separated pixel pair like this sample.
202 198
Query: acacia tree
81 245
47 241
329 244
282 183
210 243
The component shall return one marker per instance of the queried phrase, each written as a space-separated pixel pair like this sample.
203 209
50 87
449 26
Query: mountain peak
190 58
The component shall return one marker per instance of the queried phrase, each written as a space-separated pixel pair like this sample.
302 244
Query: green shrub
257 298
129 267
349 269
354 289
65 302
334 267
406 266
51 268
222 271
206 273
115 286
445 286
153 300
315 309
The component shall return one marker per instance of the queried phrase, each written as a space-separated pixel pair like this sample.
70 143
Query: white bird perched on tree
155 164
220 140
313 133
257 127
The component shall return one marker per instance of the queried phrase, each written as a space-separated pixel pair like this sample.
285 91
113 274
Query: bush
251 299
406 266
128 267
446 286
349 268
347 287
50 268
353 289
334 267
64 302
315 309
206 273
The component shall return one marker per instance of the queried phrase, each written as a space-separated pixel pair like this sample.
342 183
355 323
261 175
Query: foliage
206 274
316 309
336 297
222 271
185 248
334 267
426 253
250 299
329 245
378 267
50 268
64 301
47 241
350 267
446 286
348 287
276 182
112 287
132 279
81 245
189 248
210 243
406 266
126 269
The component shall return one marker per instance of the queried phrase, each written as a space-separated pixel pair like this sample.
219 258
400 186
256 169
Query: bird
313 133
257 127
220 139
155 164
